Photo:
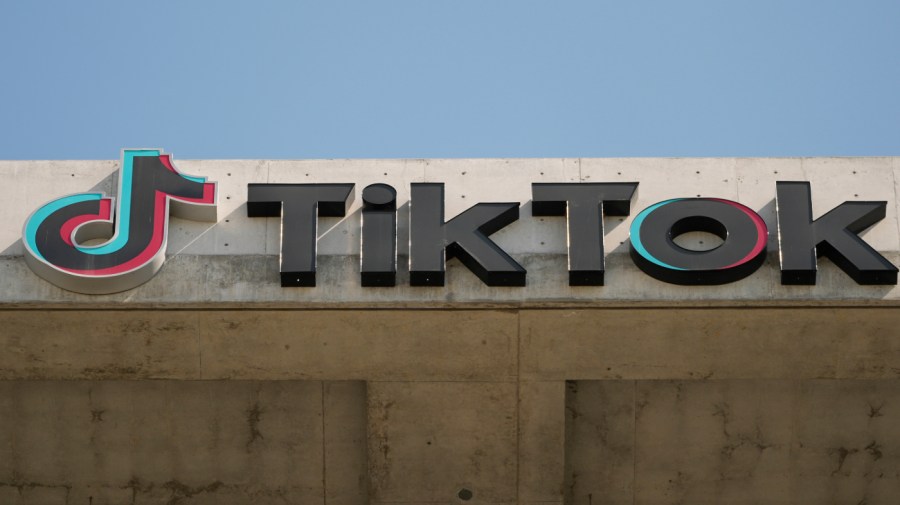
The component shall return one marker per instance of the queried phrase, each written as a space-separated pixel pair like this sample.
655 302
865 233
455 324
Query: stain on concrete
254 415
172 326
874 450
181 491
875 411
21 484
598 441
679 483
840 454
380 470
136 486
111 372
134 326
97 415
723 410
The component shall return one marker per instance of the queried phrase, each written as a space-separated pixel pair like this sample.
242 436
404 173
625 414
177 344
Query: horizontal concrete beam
452 345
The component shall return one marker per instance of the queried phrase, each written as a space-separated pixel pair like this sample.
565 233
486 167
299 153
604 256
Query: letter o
743 231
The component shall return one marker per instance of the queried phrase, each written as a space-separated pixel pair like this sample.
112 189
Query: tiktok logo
133 232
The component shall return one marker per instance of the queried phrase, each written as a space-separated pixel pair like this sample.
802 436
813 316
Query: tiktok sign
433 239
94 244
132 230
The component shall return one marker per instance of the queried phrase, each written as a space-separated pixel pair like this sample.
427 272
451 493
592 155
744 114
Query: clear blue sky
427 78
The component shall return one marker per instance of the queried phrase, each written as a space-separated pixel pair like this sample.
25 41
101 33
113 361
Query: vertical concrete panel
746 441
713 442
7 435
43 451
847 442
599 446
43 436
541 441
145 413
290 435
109 407
429 441
236 415
188 405
346 469
161 442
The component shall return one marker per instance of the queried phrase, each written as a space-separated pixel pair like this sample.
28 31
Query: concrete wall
93 442
712 405
732 441
212 384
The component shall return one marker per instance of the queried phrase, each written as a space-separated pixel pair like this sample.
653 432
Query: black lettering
378 244
584 205
834 235
432 241
298 205
655 252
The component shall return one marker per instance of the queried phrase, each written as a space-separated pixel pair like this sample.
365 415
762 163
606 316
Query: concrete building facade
212 383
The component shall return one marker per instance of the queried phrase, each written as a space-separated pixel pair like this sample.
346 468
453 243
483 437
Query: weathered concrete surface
186 442
429 441
733 441
99 345
457 345
796 343
346 452
371 345
606 442
542 430
235 260
599 442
